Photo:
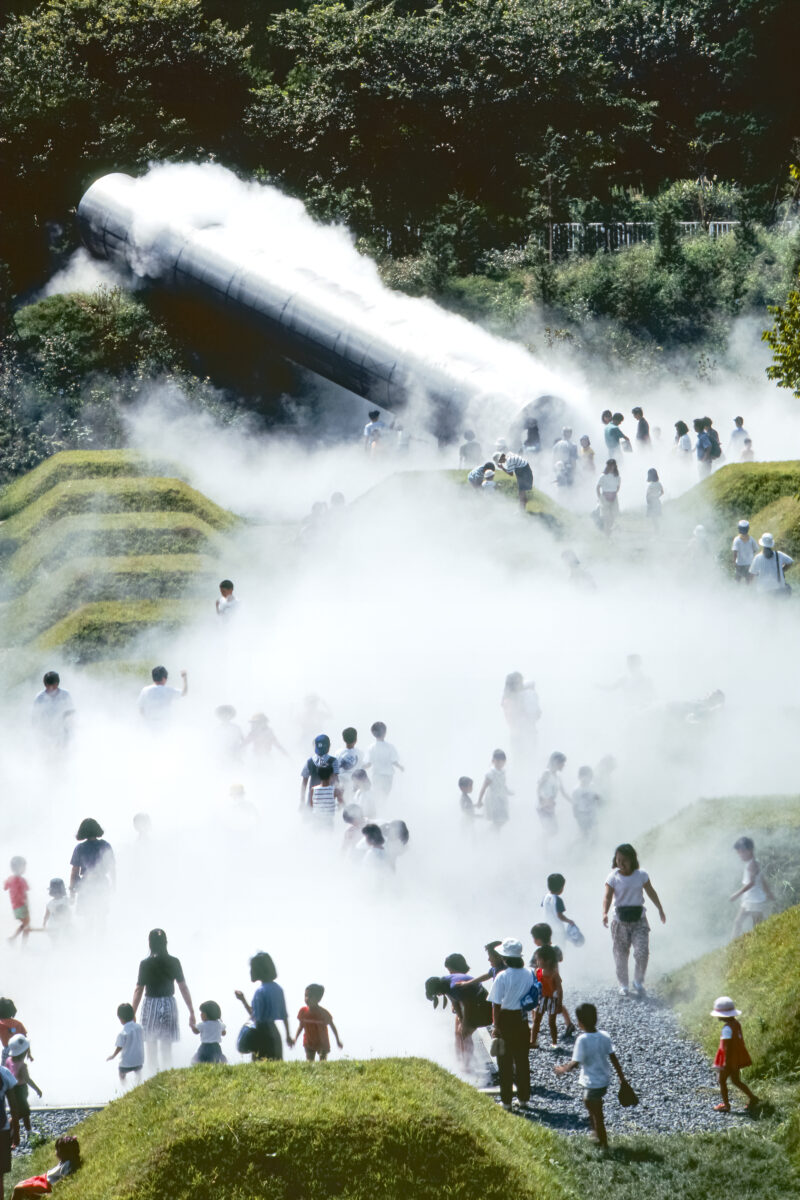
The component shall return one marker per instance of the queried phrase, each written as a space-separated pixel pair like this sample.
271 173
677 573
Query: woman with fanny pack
626 886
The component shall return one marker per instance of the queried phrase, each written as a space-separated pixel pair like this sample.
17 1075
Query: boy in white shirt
594 1054
130 1046
585 802
744 550
383 761
755 893
350 759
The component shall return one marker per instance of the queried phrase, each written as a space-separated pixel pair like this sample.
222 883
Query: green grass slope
387 1129
95 630
73 464
767 494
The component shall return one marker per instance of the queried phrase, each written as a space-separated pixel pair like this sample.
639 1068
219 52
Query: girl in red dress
732 1055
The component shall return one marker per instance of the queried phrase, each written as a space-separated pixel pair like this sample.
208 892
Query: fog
410 606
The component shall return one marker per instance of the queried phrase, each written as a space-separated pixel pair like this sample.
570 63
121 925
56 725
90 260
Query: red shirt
315 1022
17 887
732 1051
549 982
8 1027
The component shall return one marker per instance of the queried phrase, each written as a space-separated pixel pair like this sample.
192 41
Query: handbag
783 587
575 936
497 1047
627 1096
247 1041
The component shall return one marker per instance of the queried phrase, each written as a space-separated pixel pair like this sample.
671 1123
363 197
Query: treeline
485 119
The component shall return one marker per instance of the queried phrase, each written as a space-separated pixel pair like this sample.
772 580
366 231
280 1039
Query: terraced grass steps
97 548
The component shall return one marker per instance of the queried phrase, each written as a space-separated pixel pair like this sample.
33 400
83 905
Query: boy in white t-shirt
755 893
350 759
744 550
585 802
383 761
129 1045
594 1055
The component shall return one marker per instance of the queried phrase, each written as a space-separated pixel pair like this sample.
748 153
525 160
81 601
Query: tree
784 341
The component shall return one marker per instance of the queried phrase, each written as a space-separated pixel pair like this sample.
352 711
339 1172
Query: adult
565 451
158 974
267 1007
468 1000
607 490
683 441
614 436
522 711
156 700
744 550
93 872
520 468
7 1085
625 888
309 776
642 428
510 987
738 435
53 711
532 443
769 567
702 448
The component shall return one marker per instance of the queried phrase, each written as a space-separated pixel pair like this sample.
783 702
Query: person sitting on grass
68 1153
594 1055
732 1055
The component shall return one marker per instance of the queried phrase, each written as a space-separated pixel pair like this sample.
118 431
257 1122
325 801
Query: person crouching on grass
594 1055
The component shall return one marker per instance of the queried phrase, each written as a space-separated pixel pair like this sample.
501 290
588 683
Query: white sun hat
724 1007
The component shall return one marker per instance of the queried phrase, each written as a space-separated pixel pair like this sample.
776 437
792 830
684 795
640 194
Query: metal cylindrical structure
313 320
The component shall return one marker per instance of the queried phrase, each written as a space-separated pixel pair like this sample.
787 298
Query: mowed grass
95 630
74 464
387 1129
767 494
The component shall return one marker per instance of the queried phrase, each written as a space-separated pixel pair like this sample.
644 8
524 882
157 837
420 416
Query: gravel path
51 1123
673 1078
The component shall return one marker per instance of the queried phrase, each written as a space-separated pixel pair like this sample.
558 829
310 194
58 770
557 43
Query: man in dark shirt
642 428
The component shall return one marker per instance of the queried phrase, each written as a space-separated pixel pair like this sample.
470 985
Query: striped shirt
515 462
323 800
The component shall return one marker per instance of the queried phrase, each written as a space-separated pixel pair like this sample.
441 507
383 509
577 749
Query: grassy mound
104 496
74 464
94 630
91 580
388 1129
743 489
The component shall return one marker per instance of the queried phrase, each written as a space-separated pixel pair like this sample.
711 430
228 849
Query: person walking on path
770 567
744 550
629 928
158 974
594 1054
607 489
93 870
511 986
732 1056
267 1007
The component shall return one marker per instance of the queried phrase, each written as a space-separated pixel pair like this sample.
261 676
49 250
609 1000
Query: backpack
532 996
715 450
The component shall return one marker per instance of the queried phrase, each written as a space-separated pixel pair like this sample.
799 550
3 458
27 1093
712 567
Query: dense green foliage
784 341
377 1130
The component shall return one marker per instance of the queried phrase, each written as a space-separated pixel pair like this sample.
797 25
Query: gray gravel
50 1123
673 1078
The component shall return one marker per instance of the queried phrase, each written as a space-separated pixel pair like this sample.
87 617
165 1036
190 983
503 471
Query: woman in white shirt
511 1024
608 486
625 886
683 442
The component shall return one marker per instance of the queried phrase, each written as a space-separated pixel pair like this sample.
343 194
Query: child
353 817
586 456
57 914
542 936
17 887
383 760
748 454
373 431
227 604
211 1030
655 491
465 786
553 906
755 892
323 797
375 857
129 1045
478 474
314 1022
362 794
229 736
593 1053
350 758
262 738
488 483
496 791
585 802
551 1000
9 1025
18 1048
470 452
732 1054
547 791
68 1153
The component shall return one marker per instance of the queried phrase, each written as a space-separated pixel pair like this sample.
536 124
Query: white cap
510 948
724 1007
767 540
18 1044
744 524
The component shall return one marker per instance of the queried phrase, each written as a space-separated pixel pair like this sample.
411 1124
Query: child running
553 906
547 792
129 1045
314 1020
594 1055
383 760
17 887
732 1054
18 1048
211 1030
496 791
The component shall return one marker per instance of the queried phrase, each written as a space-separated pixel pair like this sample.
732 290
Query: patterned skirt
160 1019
